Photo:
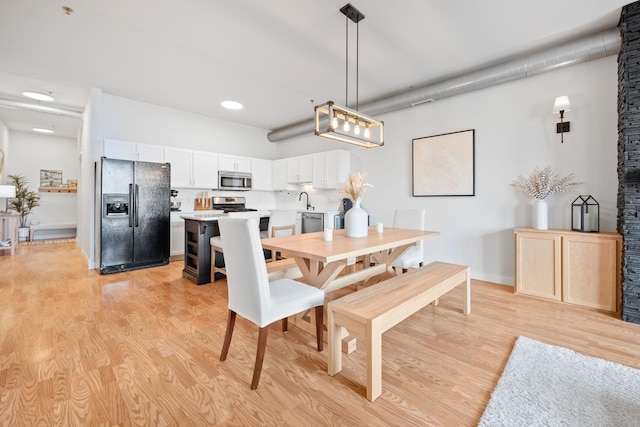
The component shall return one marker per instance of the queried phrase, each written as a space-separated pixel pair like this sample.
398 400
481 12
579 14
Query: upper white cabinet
150 153
330 168
199 169
300 169
125 150
181 166
192 169
234 164
262 179
279 168
205 170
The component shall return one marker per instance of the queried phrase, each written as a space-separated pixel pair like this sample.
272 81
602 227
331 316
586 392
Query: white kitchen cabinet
181 166
330 168
150 153
234 164
192 169
262 178
205 170
177 239
279 169
125 150
300 169
299 223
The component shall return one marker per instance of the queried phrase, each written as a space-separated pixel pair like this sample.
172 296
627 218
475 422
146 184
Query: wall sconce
585 214
561 106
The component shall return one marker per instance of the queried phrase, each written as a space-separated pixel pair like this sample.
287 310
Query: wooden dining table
321 261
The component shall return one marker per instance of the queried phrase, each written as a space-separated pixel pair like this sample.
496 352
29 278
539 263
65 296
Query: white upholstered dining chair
412 219
281 223
253 297
216 241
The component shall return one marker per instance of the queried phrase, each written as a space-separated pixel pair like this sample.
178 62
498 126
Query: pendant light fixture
342 123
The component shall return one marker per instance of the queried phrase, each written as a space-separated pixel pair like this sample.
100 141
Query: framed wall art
444 165
50 178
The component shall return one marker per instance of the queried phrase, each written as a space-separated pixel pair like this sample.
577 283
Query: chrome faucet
300 198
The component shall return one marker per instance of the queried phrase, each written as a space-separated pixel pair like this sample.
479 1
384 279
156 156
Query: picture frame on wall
72 183
444 165
50 178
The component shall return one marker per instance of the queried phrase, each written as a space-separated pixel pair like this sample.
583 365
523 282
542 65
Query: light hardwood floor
143 347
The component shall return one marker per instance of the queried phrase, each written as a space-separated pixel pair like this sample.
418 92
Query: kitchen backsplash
321 200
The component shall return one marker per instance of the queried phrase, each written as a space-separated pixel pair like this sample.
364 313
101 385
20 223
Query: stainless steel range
230 204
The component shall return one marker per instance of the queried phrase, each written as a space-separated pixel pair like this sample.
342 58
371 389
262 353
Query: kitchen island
199 228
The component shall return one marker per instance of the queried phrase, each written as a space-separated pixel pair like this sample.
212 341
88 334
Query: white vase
541 215
356 221
23 234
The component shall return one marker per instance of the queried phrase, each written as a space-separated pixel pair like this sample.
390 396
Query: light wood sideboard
569 266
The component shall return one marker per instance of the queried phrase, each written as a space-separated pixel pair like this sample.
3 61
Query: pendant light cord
346 61
357 62
346 94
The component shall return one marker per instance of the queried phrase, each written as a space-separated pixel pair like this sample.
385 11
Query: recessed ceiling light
43 130
231 105
39 96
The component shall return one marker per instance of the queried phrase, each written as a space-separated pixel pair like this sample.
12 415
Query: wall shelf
57 190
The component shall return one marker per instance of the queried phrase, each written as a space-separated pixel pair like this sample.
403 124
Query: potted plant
23 203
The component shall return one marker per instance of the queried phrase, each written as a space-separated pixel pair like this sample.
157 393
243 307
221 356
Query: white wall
134 121
32 152
515 132
4 147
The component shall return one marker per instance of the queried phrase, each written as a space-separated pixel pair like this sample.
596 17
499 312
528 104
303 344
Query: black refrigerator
133 204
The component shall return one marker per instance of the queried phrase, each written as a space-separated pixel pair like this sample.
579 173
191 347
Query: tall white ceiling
273 56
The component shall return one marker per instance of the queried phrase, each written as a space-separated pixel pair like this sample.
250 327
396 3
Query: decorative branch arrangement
542 183
355 186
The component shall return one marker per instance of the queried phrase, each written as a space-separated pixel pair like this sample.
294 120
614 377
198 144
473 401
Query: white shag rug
547 385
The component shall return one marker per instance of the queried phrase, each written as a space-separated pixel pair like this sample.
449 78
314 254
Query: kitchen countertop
322 211
214 215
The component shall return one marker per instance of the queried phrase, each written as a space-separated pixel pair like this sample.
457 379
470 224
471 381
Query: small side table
9 231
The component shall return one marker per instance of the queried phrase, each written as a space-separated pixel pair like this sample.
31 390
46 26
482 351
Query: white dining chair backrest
247 214
413 219
282 218
246 269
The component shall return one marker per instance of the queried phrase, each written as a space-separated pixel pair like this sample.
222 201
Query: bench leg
467 297
333 340
374 361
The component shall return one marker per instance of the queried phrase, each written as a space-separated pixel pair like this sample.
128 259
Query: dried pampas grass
355 186
543 182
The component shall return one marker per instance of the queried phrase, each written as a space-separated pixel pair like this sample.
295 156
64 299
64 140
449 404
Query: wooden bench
372 311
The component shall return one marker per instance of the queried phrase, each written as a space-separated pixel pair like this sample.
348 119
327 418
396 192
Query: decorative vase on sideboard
541 215
356 221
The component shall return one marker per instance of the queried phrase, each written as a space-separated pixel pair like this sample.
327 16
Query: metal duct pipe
591 47
9 103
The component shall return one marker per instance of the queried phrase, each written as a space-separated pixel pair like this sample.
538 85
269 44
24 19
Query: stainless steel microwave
237 181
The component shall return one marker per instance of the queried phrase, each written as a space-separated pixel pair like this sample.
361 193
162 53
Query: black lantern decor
585 214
